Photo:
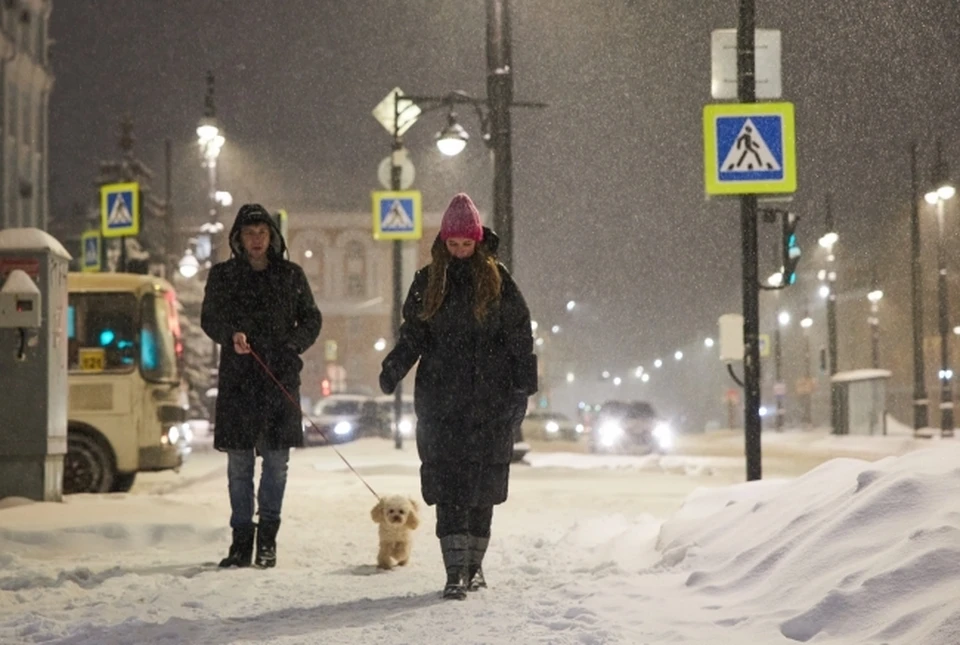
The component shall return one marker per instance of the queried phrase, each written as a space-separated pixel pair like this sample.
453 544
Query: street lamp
570 305
941 191
189 266
453 138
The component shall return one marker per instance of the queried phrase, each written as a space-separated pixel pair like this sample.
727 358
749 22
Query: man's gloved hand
388 379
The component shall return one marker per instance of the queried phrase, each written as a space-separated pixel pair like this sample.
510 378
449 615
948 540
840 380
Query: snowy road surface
580 554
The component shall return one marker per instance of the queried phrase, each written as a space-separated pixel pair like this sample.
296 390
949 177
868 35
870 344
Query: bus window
105 321
160 344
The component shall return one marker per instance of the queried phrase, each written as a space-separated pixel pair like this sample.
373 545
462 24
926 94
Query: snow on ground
588 550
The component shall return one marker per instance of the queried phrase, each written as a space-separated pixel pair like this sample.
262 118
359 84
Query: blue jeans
273 481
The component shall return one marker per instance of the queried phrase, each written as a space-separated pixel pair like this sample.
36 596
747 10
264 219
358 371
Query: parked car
544 425
630 428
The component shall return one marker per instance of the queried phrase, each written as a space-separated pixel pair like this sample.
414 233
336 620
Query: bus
127 411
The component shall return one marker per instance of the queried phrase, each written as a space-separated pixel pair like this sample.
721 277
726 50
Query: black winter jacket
472 383
276 310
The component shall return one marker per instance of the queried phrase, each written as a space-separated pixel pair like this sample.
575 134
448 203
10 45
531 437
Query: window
356 269
103 325
160 346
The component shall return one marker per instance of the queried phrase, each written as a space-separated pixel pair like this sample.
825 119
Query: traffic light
791 248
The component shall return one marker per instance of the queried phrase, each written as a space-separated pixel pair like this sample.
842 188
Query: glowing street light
658 363
570 305
783 318
875 296
617 381
571 377
708 343
189 266
678 355
380 345
829 239
806 322
453 138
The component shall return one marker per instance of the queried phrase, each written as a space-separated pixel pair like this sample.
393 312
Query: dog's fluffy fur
397 516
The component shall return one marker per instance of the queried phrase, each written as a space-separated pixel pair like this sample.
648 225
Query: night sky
609 202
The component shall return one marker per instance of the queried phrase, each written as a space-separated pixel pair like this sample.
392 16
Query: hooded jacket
276 310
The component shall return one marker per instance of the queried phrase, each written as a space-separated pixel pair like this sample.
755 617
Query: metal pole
395 171
875 335
171 236
778 374
499 97
832 323
746 90
946 377
808 385
920 401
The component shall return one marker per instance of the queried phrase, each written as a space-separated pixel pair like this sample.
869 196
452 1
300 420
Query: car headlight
406 427
342 428
173 434
663 433
609 433
552 427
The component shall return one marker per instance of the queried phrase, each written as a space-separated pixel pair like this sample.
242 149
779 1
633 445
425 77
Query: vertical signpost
396 212
749 150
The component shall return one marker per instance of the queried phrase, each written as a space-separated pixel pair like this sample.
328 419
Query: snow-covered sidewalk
851 552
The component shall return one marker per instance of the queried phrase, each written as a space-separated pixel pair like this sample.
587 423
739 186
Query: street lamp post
210 139
829 239
806 323
942 191
783 319
874 297
921 412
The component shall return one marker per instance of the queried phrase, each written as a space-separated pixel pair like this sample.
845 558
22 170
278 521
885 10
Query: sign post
749 150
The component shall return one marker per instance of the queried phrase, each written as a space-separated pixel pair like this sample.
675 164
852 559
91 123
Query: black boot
241 551
267 543
455 549
478 548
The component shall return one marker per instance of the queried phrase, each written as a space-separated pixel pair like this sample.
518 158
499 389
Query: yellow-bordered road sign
396 215
90 251
749 148
120 209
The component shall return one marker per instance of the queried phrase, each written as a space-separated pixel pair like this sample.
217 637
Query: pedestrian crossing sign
396 215
120 209
749 148
90 244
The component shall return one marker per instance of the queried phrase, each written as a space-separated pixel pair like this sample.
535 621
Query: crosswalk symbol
749 148
120 210
90 243
396 215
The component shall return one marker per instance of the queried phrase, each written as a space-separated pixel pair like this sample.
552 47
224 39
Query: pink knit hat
461 219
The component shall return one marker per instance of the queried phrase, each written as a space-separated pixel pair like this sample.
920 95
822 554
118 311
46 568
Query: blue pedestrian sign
749 148
120 209
396 215
90 251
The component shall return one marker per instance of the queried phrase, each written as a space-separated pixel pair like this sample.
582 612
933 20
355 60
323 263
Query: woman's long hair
486 280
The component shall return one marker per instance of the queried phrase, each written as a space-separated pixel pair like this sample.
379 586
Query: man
258 302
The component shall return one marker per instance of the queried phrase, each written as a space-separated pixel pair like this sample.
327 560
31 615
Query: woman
467 323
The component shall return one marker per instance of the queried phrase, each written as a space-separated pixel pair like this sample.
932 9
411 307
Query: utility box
33 364
861 399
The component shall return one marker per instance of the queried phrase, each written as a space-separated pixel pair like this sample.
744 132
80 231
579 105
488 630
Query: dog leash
310 421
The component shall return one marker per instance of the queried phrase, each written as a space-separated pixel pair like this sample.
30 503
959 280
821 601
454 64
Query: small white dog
397 516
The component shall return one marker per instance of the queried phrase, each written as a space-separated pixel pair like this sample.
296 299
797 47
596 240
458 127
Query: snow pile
853 551
850 552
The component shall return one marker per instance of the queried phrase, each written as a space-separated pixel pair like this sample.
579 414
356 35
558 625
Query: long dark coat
276 310
471 388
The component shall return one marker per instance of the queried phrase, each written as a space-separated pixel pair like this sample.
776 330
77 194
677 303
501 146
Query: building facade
26 80
351 275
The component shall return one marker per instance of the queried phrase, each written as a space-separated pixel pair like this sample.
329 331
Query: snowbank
853 551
